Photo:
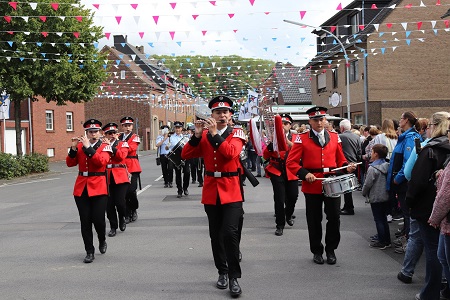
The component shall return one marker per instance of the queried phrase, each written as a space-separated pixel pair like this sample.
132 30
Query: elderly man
351 146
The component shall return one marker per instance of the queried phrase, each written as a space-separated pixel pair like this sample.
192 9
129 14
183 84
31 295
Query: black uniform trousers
91 211
186 170
224 230
197 169
165 169
131 200
116 198
348 202
314 205
285 194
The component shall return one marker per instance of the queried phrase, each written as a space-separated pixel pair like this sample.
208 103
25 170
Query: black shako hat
110 127
221 102
92 124
286 118
177 124
126 120
317 112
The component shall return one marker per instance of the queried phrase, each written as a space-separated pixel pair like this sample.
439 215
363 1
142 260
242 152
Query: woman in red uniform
90 190
222 194
118 179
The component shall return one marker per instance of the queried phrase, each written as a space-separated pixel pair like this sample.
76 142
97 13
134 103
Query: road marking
32 181
144 189
157 179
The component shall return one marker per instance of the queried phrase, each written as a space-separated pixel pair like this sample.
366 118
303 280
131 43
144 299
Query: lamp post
345 56
366 91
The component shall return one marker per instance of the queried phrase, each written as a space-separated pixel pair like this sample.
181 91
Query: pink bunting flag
235 30
302 14
419 25
45 34
408 5
156 18
107 35
438 3
213 3
13 5
195 17
172 34
76 34
118 19
97 6
231 15
389 25
79 18
361 27
374 6
252 2
141 34
267 12
54 6
10 32
43 18
446 22
339 7
7 19
173 4
134 6
333 28
204 32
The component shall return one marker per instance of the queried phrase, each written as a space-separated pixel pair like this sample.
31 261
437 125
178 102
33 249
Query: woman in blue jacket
396 181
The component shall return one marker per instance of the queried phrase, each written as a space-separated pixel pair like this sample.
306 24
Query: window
354 23
51 152
335 78
353 71
49 120
322 43
359 118
122 74
69 121
322 82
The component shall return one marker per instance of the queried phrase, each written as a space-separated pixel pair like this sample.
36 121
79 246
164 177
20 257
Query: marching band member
133 166
319 151
222 194
90 190
118 180
285 191
182 185
162 142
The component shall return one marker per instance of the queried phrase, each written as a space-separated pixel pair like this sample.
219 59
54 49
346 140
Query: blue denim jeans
414 249
433 269
444 254
379 211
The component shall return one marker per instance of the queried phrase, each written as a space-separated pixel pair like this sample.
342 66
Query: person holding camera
162 142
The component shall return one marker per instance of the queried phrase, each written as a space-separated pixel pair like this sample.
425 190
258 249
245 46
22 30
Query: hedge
14 166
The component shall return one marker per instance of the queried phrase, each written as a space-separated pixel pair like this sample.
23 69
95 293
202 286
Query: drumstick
345 167
321 178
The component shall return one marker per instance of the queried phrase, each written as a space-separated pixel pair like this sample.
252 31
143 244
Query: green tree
50 51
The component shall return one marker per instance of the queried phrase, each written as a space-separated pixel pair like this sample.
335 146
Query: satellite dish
335 99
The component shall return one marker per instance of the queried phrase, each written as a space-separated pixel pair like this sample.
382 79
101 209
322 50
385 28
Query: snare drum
335 186
175 154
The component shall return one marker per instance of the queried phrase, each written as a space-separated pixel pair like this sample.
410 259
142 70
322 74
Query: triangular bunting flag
33 5
141 34
43 18
172 34
107 35
213 3
118 19
302 14
134 6
231 15
339 7
136 19
79 18
76 34
96 6
374 6
252 2
195 17
7 19
13 5
405 25
156 18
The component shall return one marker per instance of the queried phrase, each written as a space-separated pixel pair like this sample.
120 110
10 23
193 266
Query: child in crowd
374 190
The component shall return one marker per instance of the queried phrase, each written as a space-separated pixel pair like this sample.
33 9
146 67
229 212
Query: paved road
166 253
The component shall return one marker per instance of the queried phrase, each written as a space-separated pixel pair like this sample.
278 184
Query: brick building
140 87
397 53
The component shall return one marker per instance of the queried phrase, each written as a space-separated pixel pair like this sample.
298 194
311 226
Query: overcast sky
189 27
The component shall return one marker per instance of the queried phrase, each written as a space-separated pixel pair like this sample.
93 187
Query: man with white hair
352 152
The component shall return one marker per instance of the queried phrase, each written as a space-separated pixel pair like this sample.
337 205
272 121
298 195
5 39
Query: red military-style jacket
91 164
314 158
116 166
277 160
132 159
220 154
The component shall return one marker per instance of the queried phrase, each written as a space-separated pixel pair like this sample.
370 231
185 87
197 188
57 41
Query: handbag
158 159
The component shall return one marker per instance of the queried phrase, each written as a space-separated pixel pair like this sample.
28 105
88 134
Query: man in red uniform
133 166
118 180
222 195
285 192
90 190
313 155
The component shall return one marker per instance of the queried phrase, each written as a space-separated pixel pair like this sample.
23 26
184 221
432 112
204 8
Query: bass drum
175 154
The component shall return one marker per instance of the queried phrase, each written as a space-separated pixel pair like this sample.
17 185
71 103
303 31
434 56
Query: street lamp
345 55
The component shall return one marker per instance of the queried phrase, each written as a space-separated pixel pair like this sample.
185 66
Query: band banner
4 106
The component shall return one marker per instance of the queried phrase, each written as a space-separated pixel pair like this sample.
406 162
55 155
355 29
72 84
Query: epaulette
107 148
136 139
239 133
125 145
